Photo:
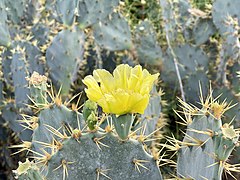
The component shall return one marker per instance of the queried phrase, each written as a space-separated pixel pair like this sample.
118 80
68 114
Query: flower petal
119 104
140 105
90 82
148 83
93 94
121 75
104 104
105 79
126 91
135 78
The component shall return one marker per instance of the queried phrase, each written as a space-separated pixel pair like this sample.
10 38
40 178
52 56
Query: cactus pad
64 56
113 33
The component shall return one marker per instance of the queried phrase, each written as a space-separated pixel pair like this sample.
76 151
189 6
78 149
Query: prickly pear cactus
222 9
19 72
168 15
16 9
66 148
5 38
193 64
102 155
203 29
208 143
232 45
113 33
63 57
67 39
58 116
66 11
91 12
148 50
25 60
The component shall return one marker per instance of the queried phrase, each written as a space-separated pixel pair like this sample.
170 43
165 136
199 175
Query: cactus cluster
66 142
207 140
58 43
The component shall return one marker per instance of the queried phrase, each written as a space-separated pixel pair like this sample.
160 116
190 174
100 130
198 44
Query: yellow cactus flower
126 91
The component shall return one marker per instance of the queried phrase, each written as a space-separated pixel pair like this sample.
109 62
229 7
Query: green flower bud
92 121
88 108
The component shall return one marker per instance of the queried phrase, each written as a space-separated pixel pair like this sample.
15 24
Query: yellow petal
141 105
104 104
148 83
93 94
126 91
121 75
119 104
105 79
90 82
135 78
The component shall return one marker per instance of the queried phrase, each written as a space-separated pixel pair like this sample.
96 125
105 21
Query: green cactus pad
116 160
113 33
19 72
24 61
170 23
169 73
183 17
145 42
33 55
231 45
191 85
6 66
64 56
193 65
66 11
41 33
11 116
214 143
190 58
57 117
223 8
5 38
93 11
195 161
16 10
203 29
